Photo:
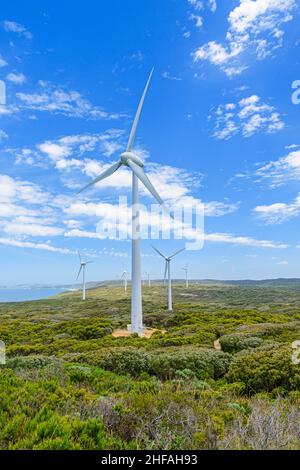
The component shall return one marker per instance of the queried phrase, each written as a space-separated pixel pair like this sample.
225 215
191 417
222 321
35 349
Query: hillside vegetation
69 384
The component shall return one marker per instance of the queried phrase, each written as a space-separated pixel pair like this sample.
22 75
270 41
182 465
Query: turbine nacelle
130 156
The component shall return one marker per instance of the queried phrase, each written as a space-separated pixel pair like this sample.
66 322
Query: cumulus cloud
34 245
18 190
168 76
72 151
3 62
255 27
242 240
58 100
3 135
33 229
247 117
281 171
26 210
13 27
16 78
198 20
278 212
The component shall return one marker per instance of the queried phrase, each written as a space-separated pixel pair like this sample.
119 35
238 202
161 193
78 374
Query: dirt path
217 345
148 332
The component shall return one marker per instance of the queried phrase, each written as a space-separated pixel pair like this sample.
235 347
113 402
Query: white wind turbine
168 271
185 268
132 161
147 278
82 268
124 277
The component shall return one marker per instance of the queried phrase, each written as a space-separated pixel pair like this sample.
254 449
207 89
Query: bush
265 369
31 362
234 343
128 361
204 363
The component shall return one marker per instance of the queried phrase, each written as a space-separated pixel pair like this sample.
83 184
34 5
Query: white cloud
197 19
279 212
13 27
16 78
57 100
3 135
18 190
194 16
247 117
77 233
25 209
35 246
73 151
212 5
255 27
197 4
107 213
281 171
242 240
217 209
3 62
168 76
18 228
8 209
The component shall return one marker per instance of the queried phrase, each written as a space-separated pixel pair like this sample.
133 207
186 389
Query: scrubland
69 384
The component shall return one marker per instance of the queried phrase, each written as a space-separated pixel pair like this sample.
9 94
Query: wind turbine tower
168 272
124 277
185 268
82 268
147 278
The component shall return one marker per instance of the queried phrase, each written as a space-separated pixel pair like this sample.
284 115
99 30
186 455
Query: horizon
78 284
215 130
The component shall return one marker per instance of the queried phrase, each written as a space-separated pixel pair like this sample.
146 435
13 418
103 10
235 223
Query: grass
69 384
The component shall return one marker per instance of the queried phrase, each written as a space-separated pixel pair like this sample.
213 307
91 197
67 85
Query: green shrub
128 361
265 369
204 363
234 343
31 362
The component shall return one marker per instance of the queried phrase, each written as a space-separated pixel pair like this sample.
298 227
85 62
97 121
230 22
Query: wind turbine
147 277
124 277
136 165
185 268
82 268
168 271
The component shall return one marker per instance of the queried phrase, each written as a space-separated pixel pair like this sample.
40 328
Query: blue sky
218 126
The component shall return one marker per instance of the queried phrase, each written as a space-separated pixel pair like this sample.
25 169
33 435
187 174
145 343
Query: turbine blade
103 175
137 115
79 256
159 252
79 272
176 253
89 262
139 172
166 269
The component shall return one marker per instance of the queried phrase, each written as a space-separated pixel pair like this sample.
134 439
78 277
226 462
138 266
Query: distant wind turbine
147 277
82 268
168 271
130 160
185 268
124 277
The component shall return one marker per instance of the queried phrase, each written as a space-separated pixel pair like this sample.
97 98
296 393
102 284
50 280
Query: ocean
20 295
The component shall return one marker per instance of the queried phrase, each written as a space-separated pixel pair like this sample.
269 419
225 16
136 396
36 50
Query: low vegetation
69 384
